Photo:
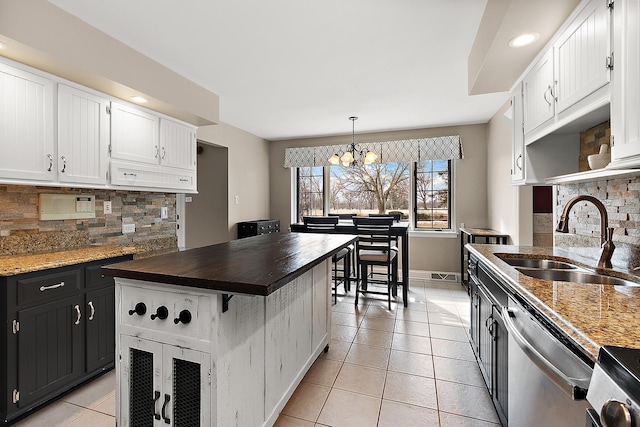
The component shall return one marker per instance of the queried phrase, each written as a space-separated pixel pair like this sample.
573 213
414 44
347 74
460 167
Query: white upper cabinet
538 96
177 144
625 105
83 137
570 81
134 134
26 126
517 160
582 55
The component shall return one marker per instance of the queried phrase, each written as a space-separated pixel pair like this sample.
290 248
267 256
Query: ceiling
290 69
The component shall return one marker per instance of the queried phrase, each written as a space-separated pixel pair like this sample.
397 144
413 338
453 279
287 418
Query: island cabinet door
101 322
163 385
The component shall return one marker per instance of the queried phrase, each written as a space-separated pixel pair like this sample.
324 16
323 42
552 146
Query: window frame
296 179
414 193
413 229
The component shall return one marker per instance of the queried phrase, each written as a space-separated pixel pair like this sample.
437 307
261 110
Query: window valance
403 150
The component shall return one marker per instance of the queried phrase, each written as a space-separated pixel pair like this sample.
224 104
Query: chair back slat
396 216
320 223
343 215
374 233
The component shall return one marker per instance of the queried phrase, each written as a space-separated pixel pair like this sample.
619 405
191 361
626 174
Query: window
425 201
432 194
310 191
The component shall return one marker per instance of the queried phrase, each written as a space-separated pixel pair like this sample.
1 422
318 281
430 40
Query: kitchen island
221 335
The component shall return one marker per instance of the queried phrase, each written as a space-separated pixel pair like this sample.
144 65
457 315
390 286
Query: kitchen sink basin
575 276
538 263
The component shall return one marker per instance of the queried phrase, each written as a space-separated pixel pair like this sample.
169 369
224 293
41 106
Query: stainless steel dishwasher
547 380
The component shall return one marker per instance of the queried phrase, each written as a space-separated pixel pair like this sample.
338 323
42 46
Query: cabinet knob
161 313
184 317
140 309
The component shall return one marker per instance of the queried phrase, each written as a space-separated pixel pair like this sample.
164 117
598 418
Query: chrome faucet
606 233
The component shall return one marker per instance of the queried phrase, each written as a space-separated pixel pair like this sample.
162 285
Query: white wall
469 194
510 208
248 173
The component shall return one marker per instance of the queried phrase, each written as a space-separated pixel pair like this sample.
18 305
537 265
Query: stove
614 390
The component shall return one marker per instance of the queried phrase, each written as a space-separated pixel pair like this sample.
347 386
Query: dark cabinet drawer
37 287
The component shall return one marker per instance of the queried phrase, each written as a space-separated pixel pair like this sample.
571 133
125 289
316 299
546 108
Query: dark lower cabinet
489 337
49 348
500 360
60 332
100 328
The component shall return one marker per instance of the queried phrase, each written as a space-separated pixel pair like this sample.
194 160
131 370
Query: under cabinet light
138 99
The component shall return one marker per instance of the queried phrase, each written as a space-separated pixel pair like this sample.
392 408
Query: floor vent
447 277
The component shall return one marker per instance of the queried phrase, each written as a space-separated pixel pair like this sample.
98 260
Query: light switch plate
164 212
107 207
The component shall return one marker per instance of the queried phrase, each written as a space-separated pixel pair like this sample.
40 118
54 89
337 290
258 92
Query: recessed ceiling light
2 46
138 99
524 39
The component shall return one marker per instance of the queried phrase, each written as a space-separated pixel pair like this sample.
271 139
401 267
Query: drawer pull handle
77 307
184 180
48 288
93 310
130 174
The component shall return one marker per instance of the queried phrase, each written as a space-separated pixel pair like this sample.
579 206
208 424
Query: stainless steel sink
575 276
538 263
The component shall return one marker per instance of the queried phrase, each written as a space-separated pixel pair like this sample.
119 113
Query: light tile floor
406 367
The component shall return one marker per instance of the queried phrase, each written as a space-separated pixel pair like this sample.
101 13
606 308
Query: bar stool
325 224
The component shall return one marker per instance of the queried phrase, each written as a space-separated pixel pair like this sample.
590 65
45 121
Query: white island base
233 368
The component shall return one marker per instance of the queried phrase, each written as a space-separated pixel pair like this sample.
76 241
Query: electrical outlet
107 207
237 200
128 228
164 212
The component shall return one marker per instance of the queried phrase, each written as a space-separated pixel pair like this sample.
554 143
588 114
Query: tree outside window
377 188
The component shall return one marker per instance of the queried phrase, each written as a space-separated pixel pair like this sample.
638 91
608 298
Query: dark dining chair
397 216
343 215
375 248
325 224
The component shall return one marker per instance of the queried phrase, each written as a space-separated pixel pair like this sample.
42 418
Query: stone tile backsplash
621 197
22 231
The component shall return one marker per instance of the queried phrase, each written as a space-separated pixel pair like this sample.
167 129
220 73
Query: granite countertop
591 315
255 266
11 265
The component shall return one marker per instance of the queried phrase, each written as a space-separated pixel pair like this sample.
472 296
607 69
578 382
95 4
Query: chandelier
354 155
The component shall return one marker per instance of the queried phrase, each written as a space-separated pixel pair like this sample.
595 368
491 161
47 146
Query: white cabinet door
162 384
177 144
26 125
625 99
140 382
518 151
83 137
186 394
134 134
539 102
581 55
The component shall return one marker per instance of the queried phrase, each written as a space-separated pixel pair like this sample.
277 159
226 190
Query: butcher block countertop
256 265
11 265
592 315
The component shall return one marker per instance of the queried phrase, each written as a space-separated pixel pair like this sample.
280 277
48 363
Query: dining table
398 229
